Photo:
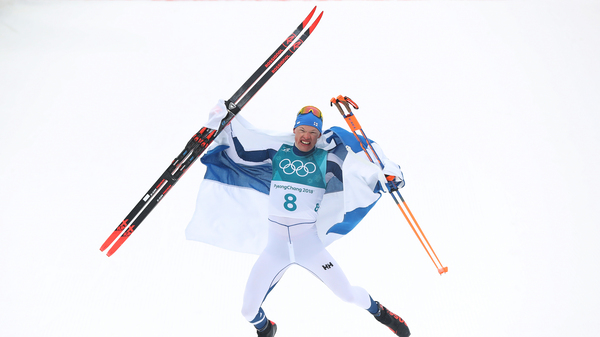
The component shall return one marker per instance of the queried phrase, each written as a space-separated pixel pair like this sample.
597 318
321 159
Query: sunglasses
311 110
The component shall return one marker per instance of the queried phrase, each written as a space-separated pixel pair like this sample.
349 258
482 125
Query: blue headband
309 120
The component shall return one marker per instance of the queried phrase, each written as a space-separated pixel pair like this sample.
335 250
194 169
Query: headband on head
310 116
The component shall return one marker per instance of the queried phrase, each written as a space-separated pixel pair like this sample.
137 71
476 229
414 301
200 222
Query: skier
301 173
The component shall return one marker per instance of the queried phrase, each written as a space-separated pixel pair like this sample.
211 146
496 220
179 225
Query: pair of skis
365 144
205 136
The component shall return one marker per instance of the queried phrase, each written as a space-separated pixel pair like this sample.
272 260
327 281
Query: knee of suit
249 313
346 295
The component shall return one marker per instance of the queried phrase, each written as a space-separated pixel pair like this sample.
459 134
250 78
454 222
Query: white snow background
490 107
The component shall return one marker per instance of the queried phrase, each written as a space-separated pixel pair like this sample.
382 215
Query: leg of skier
312 255
266 272
327 269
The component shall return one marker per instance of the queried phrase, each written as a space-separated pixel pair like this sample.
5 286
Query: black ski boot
269 330
392 321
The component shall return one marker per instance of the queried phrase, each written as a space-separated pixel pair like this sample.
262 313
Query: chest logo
298 167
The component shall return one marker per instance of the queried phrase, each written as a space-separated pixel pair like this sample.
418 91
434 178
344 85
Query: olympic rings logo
298 167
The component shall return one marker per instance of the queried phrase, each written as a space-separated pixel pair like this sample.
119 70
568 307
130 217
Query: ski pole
365 144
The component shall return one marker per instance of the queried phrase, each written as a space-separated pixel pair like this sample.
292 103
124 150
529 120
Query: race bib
298 183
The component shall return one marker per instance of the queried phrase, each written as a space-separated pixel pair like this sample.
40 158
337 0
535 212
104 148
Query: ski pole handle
350 118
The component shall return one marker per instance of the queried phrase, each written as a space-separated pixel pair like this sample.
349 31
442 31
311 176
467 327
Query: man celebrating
299 176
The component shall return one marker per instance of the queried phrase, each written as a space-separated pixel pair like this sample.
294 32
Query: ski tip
111 238
106 244
442 270
307 20
312 27
114 248
111 251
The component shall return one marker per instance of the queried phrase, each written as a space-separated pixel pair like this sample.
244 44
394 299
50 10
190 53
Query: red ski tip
307 20
442 270
312 27
114 248
117 244
110 240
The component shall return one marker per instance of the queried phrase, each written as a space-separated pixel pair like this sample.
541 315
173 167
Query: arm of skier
253 156
391 170
216 115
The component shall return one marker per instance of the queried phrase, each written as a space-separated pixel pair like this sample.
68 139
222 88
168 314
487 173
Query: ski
205 136
272 57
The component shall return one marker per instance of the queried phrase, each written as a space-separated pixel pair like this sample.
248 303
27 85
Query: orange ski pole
365 144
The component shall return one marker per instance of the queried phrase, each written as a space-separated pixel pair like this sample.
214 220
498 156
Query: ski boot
269 330
392 321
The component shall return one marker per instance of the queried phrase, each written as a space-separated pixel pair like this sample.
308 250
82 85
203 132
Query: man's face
306 137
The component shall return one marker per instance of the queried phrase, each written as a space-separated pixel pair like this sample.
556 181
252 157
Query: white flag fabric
231 209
